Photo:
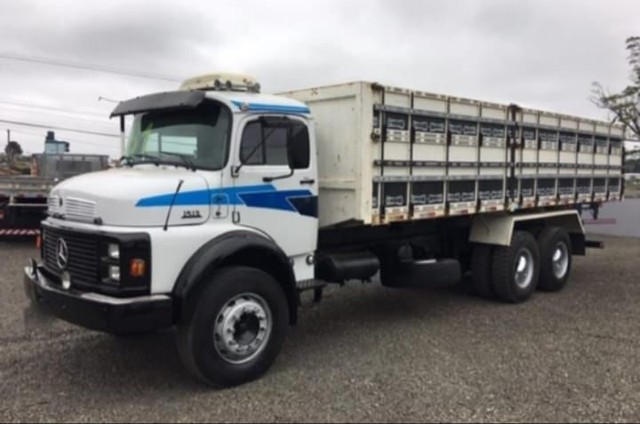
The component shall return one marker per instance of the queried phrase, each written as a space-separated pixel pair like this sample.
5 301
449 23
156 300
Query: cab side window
265 142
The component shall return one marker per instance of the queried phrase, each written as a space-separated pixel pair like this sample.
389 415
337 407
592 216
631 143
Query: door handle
307 181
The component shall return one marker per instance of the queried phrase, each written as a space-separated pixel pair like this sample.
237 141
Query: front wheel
235 330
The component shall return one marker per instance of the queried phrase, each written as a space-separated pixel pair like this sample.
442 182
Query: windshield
196 138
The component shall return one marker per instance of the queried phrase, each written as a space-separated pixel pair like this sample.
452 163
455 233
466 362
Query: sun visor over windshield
174 100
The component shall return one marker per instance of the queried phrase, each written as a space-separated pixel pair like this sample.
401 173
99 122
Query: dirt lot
367 353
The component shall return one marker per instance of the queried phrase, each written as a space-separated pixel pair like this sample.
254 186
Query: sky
537 53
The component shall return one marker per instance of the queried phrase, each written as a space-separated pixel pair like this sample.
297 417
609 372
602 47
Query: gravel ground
366 353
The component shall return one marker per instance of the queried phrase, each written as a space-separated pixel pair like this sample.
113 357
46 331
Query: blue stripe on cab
202 197
273 200
261 107
258 196
192 198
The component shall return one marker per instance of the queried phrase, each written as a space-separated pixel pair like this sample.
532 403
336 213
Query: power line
12 102
71 140
57 113
86 66
52 127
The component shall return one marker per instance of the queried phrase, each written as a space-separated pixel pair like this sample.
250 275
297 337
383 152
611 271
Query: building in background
53 146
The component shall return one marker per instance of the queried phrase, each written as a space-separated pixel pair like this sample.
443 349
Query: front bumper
97 311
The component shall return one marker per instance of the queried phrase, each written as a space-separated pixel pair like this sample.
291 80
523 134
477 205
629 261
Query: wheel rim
242 328
524 268
560 260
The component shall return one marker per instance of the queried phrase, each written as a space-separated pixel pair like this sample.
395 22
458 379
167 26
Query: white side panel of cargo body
527 158
464 156
616 137
492 164
529 117
494 111
601 156
549 119
393 154
429 102
429 156
464 107
615 159
585 160
584 179
567 158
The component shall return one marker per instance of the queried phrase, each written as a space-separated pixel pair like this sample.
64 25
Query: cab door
275 185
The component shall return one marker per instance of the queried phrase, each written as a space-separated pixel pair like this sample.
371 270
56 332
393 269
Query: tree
625 104
12 150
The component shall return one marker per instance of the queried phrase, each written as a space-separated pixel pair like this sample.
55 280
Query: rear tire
515 268
234 331
555 259
482 279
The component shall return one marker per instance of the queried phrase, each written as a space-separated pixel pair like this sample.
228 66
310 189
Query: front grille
53 204
79 209
83 264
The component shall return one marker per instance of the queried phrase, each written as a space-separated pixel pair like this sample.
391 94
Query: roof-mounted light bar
222 82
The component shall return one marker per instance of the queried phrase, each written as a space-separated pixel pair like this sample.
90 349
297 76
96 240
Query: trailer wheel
555 258
237 327
515 268
482 284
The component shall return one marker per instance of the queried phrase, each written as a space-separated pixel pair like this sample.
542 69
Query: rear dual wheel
512 273
515 268
555 259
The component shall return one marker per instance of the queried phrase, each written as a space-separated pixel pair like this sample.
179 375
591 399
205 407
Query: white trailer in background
230 203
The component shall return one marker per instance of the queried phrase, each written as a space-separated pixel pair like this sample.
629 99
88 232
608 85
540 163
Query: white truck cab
212 222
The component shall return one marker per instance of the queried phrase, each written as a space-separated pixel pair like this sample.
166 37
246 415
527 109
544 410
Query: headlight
114 272
114 251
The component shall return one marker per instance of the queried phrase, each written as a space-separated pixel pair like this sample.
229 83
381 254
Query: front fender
235 248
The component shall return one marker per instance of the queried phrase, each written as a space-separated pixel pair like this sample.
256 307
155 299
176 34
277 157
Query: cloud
540 53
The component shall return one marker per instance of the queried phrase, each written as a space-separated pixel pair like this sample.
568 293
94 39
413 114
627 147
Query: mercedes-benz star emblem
62 254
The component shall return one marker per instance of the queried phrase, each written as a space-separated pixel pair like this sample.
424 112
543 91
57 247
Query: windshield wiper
143 158
140 158
187 162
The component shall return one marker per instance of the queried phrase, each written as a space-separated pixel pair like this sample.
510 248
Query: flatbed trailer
24 198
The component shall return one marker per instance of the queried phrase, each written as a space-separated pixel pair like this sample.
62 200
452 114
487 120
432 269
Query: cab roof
254 102
237 102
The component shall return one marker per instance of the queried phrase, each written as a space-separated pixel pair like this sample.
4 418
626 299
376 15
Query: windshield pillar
122 136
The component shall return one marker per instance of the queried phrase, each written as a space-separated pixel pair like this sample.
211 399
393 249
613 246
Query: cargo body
387 154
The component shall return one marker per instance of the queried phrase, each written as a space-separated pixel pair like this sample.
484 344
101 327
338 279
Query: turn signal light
137 267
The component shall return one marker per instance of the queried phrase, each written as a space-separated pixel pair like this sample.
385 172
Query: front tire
555 259
515 268
233 333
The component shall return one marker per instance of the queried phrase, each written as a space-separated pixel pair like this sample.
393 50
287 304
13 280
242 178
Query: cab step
316 285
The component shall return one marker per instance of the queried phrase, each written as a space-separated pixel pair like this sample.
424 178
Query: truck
24 198
230 204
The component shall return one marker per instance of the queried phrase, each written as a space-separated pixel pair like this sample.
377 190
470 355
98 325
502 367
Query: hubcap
560 260
524 268
242 328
